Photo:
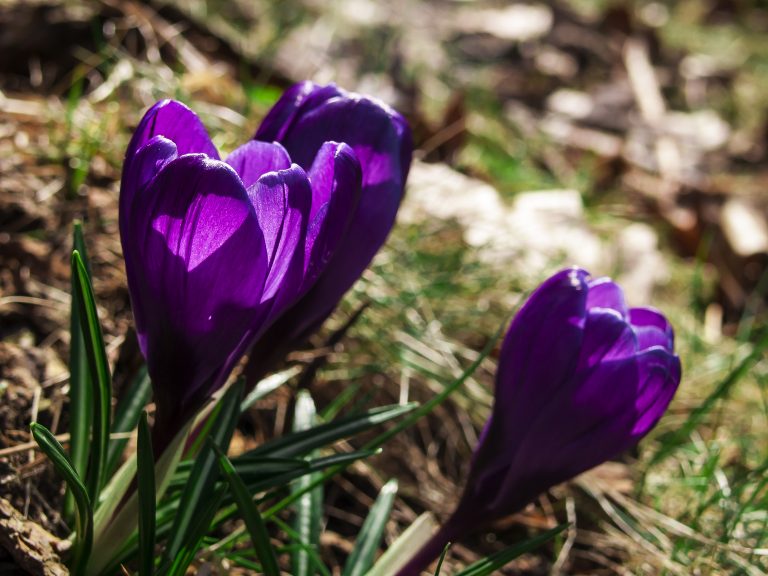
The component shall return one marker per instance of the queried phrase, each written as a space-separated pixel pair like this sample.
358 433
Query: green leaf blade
302 443
200 486
253 519
327 465
80 383
405 546
309 506
361 559
84 513
147 505
489 565
127 416
99 369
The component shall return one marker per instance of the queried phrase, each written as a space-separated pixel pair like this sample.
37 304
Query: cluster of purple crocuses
251 254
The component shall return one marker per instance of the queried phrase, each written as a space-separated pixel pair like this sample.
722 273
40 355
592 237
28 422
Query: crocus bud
305 117
216 250
581 378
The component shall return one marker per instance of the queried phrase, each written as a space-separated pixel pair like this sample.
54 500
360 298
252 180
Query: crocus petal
335 172
606 337
197 266
590 406
148 161
603 293
281 201
177 123
661 373
603 395
292 104
539 354
651 318
650 336
254 159
629 412
336 180
542 346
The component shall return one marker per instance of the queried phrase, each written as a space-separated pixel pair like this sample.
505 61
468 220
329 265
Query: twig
30 300
649 100
562 557
62 438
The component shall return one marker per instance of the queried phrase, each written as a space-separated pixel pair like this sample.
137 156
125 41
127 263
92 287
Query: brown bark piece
31 546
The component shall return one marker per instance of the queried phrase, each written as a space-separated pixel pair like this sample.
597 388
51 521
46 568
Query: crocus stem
449 532
164 430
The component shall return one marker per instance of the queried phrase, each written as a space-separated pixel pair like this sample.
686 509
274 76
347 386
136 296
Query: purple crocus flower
216 251
581 378
301 121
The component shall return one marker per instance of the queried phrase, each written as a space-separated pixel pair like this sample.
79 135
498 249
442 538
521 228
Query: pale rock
549 227
702 129
744 227
536 233
516 22
572 103
640 261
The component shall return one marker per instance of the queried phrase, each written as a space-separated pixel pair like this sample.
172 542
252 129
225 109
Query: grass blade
99 370
127 416
405 547
343 459
349 392
309 507
80 383
201 431
253 520
167 511
268 385
293 535
254 467
196 532
84 513
370 535
438 399
382 438
202 477
496 561
261 474
721 391
441 559
302 443
146 480
115 527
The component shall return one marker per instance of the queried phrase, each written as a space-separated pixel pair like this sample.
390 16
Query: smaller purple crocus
581 378
217 251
